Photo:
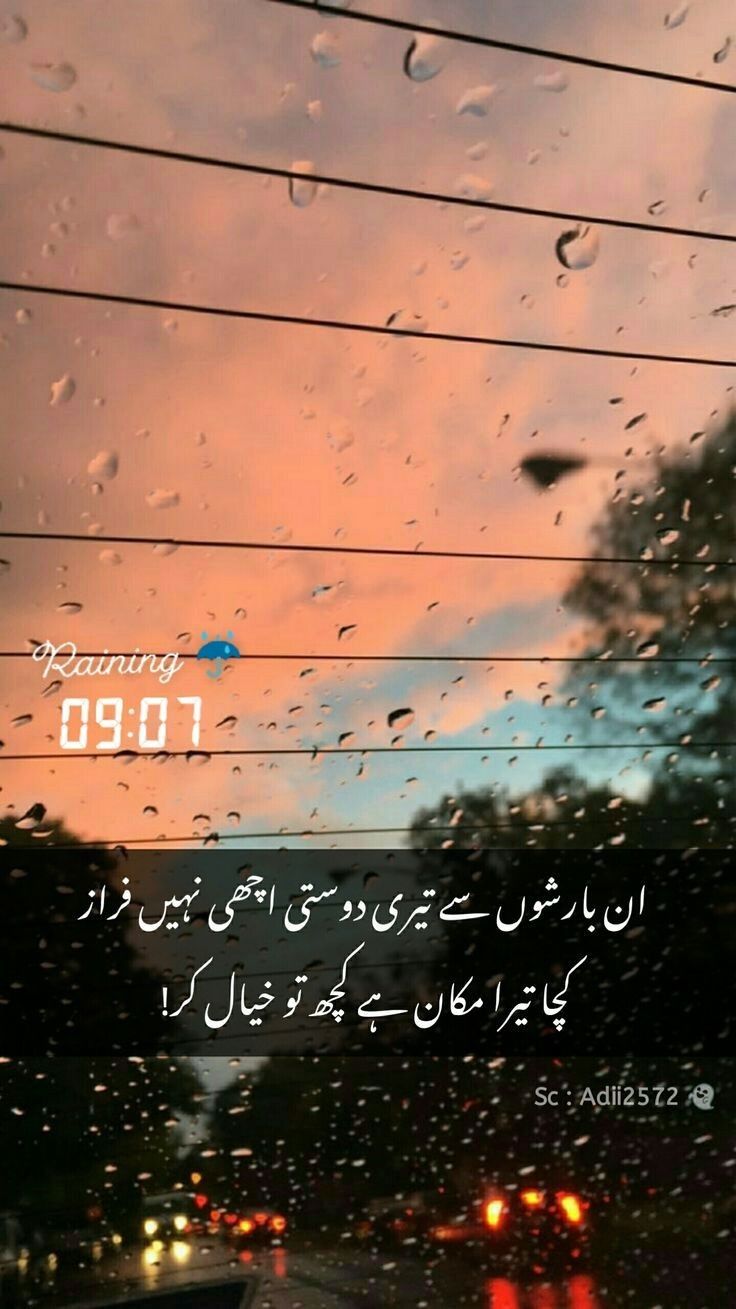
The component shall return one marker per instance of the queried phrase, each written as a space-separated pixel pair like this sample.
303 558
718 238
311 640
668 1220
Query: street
305 1277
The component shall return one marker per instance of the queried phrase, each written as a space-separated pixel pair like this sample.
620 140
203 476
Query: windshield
367 650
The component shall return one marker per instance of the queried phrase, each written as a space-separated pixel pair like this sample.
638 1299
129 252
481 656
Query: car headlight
150 1227
180 1222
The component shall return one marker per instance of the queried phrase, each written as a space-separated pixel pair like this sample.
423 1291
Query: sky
225 430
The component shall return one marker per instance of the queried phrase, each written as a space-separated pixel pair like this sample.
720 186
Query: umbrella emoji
218 651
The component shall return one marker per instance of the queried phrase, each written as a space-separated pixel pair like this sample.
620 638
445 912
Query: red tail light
571 1208
200 1201
278 1223
215 1215
245 1226
261 1219
231 1219
493 1213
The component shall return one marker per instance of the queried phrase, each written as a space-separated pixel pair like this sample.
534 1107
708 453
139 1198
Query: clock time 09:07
151 718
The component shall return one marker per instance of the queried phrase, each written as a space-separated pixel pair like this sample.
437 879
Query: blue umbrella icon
218 651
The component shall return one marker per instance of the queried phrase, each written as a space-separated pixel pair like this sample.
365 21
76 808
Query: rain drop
400 718
324 50
118 226
552 82
676 18
162 499
302 193
63 390
104 465
577 248
476 101
12 29
422 60
53 77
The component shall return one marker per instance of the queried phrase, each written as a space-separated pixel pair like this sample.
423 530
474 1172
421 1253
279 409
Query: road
351 1278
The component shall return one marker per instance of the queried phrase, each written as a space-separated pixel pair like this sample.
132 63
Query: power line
619 818
374 329
394 552
702 661
316 751
353 184
470 38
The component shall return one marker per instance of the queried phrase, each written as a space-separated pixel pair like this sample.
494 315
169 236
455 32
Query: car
531 1225
23 1260
257 1226
402 1219
80 1239
169 1216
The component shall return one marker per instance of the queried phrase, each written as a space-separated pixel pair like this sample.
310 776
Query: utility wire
393 552
492 43
375 329
620 819
126 756
354 184
702 661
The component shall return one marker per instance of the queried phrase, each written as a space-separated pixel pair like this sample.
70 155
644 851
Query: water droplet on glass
558 81
423 58
648 650
324 50
104 465
676 18
656 705
53 77
476 101
577 248
472 186
118 226
162 499
69 607
110 557
302 193
63 390
12 29
722 54
226 724
400 718
22 720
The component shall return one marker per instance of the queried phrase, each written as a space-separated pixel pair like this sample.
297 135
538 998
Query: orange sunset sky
277 433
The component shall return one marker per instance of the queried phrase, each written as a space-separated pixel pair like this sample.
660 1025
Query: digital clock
151 716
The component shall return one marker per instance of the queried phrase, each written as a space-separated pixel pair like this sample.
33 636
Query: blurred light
261 1219
571 1208
245 1225
150 1227
278 1224
195 1178
181 1251
117 1238
532 1198
200 1201
180 1222
501 1294
493 1212
581 1293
